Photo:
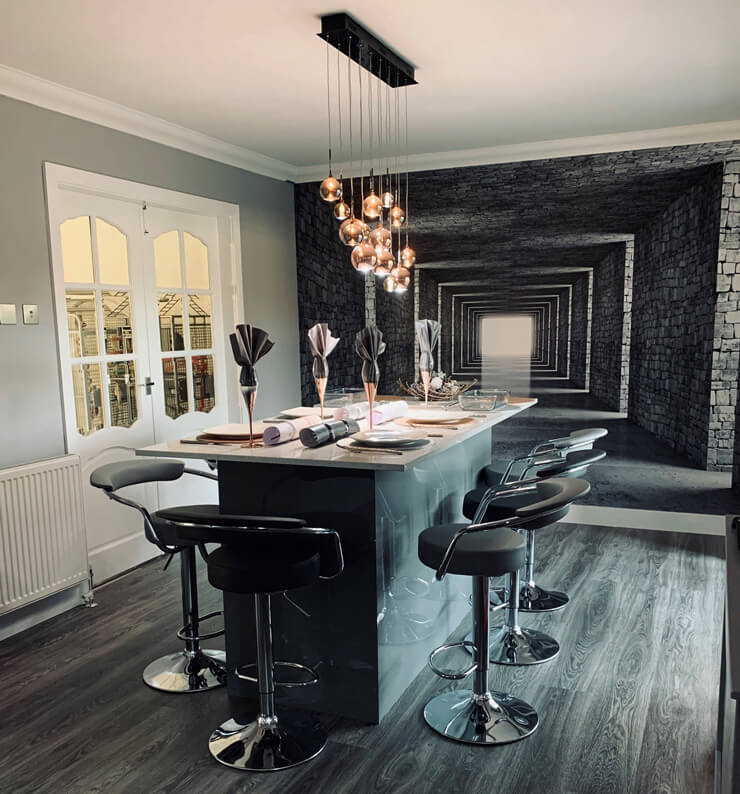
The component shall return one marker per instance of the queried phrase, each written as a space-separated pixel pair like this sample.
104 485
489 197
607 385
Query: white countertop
294 453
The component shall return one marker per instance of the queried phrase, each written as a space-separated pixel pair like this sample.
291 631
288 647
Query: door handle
148 383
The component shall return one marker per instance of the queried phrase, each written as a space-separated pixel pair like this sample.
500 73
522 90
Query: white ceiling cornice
52 96
711 132
71 102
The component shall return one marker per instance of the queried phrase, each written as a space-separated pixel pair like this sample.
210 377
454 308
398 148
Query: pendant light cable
328 101
362 124
339 113
351 152
406 142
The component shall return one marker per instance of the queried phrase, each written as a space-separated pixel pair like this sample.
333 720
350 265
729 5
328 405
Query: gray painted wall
31 426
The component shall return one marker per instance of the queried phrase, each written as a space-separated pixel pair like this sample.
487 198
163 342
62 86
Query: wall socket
30 314
7 314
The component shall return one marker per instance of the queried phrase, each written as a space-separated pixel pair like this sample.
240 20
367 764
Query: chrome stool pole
268 743
479 716
194 669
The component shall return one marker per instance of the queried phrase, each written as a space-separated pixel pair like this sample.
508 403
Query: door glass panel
112 253
88 395
175 386
77 258
82 323
122 393
171 331
196 263
167 260
117 322
203 395
199 318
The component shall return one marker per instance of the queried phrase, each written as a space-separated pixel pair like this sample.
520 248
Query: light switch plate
7 314
30 314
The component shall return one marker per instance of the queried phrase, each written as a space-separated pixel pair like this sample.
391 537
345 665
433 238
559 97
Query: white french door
142 309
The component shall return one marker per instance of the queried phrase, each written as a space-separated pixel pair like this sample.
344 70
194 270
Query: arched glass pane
82 323
175 386
112 253
87 385
196 263
124 410
117 322
77 250
199 318
204 397
167 260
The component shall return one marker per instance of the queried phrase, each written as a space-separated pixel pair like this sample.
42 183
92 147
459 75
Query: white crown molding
52 96
71 102
711 132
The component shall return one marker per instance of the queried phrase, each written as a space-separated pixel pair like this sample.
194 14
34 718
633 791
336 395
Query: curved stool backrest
572 464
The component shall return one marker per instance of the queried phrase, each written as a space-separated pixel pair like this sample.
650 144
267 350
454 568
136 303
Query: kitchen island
368 632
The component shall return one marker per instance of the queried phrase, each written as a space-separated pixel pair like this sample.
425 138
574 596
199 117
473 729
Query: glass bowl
480 400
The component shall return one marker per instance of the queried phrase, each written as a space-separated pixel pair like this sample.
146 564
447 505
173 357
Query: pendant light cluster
373 205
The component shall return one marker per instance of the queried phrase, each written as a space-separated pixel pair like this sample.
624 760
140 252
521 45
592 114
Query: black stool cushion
168 532
491 552
266 571
507 507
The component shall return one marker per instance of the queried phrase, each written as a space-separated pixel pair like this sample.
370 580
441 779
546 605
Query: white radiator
43 548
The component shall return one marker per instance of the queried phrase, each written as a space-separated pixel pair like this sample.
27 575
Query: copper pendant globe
363 258
387 199
381 238
351 231
398 216
372 206
402 277
330 189
342 210
408 256
389 285
385 262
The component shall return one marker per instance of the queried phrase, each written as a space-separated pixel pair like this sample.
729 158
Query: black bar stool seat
492 553
194 669
262 555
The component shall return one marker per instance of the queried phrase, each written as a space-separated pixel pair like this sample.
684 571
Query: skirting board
32 614
659 520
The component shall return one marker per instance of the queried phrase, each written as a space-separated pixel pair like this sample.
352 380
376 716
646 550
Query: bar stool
261 555
482 550
194 669
534 598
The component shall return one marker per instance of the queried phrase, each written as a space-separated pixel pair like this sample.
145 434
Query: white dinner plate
388 437
431 415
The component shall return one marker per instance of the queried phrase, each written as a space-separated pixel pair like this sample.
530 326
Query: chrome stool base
489 719
533 598
268 744
182 673
518 646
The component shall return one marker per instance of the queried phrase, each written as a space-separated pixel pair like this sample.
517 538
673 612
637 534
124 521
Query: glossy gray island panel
367 633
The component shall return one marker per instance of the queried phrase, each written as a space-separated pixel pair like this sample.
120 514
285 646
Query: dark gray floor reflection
639 471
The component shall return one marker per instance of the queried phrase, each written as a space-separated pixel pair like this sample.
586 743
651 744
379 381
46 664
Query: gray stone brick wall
395 318
563 333
579 332
673 320
329 290
608 338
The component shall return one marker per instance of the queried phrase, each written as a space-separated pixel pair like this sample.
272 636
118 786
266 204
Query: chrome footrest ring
184 633
449 675
312 679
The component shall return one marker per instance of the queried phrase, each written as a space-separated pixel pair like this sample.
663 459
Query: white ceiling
490 73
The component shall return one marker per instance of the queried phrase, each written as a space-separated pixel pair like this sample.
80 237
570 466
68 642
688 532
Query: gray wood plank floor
628 706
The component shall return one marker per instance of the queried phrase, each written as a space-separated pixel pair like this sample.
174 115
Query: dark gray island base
367 633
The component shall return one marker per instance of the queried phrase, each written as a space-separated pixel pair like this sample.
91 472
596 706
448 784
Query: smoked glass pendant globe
381 237
363 258
372 206
330 189
342 210
351 232
408 256
398 216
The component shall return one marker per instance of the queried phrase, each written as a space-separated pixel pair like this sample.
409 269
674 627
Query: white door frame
59 178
